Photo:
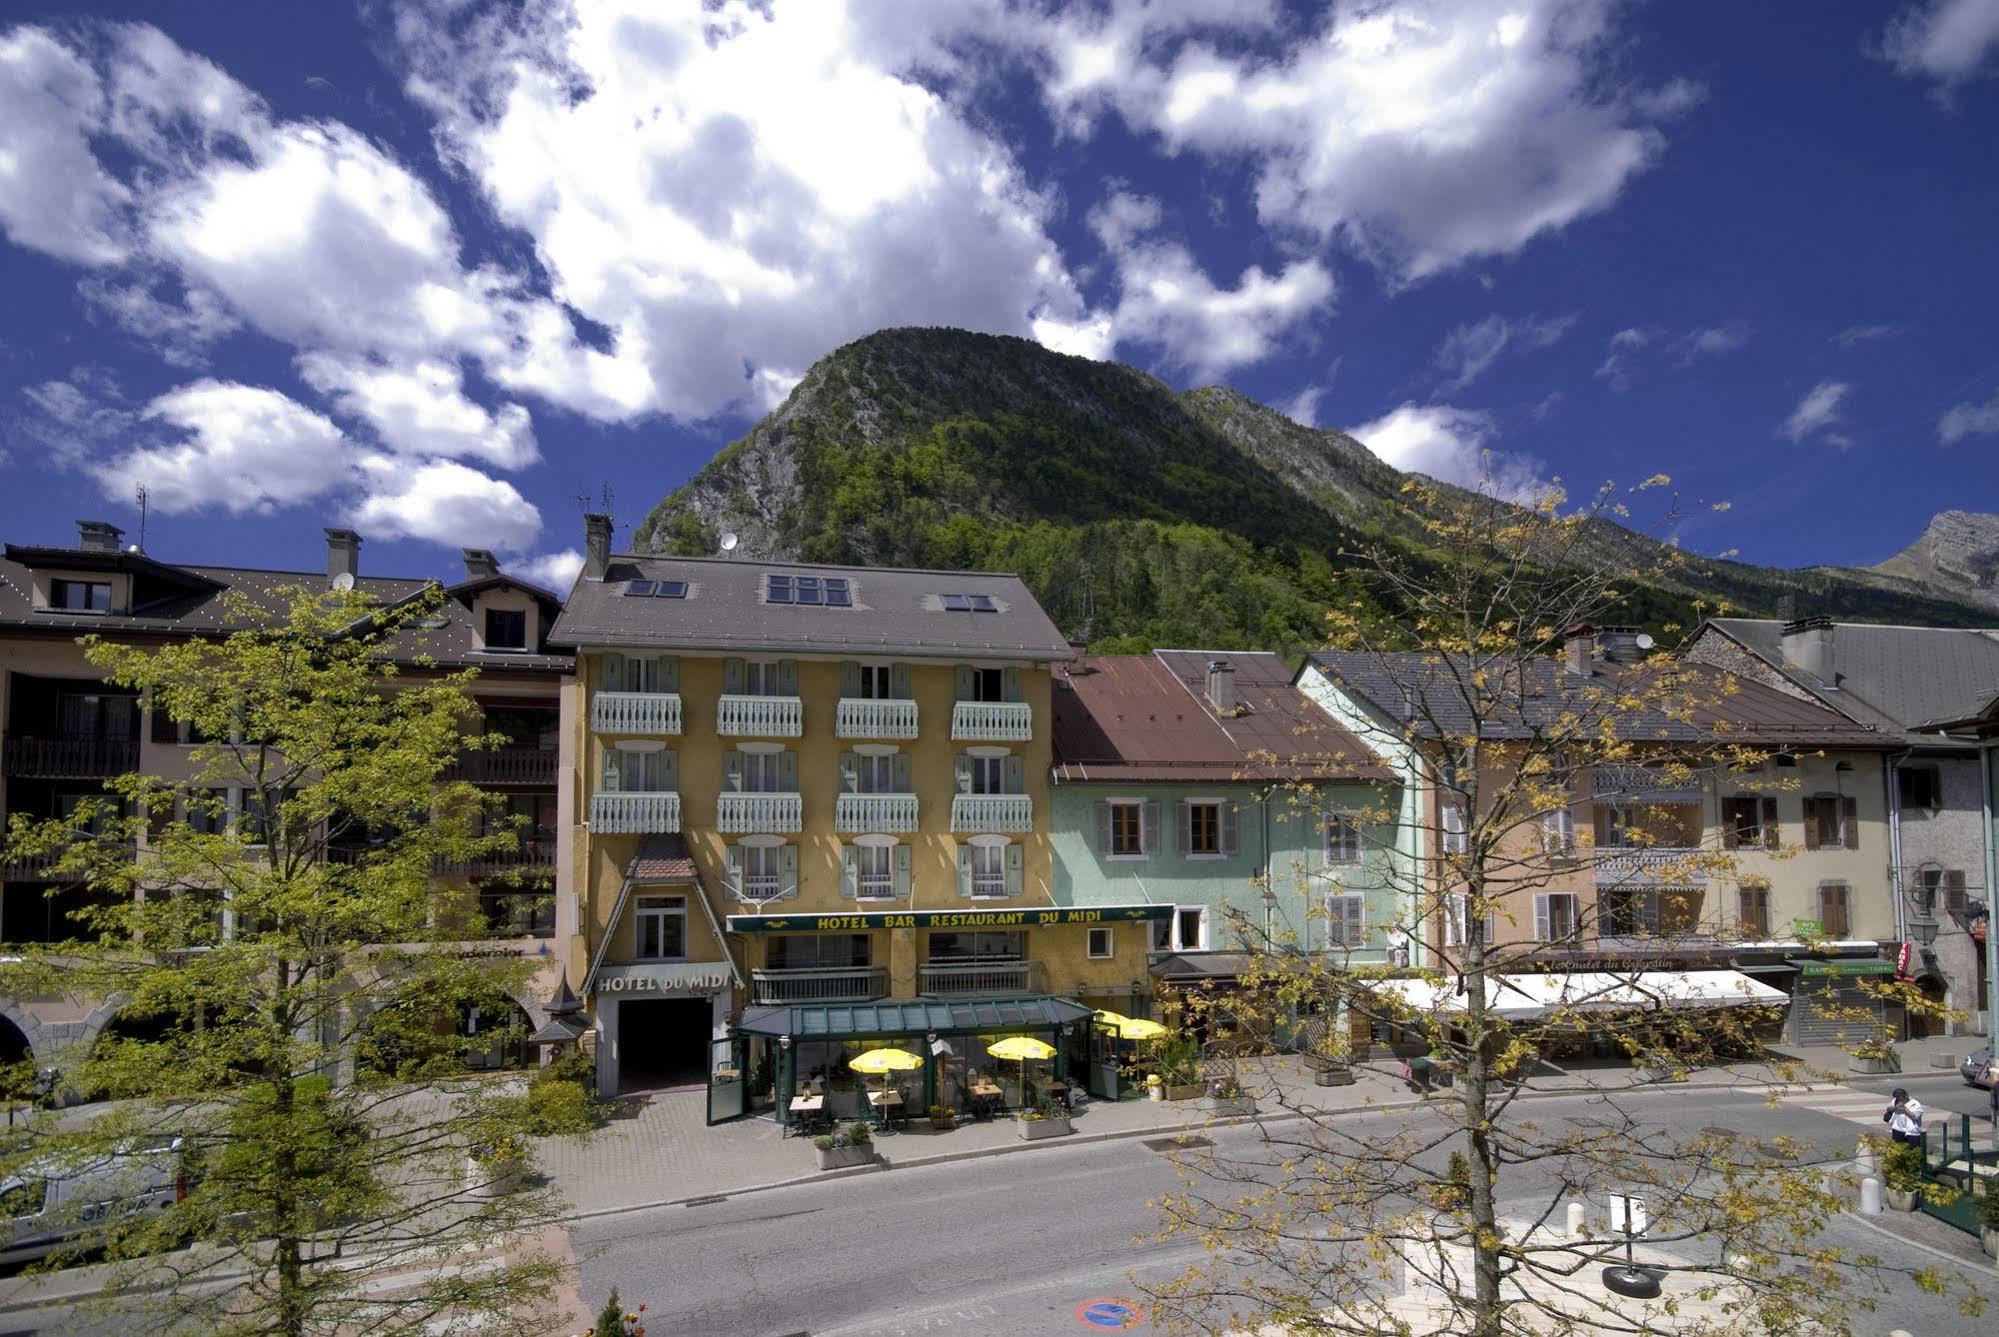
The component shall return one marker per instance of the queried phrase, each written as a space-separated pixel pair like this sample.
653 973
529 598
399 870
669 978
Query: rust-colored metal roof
1147 718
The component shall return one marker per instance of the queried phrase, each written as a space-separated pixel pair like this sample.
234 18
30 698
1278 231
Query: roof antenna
140 546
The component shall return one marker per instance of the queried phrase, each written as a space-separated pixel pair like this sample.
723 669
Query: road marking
1106 1313
1859 1107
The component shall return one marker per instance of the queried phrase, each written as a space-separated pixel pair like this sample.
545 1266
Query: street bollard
1863 1158
1870 1196
1578 1220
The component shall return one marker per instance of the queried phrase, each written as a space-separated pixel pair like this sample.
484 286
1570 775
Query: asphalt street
1025 1244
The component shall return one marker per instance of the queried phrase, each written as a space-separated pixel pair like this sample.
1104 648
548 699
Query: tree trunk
1474 1084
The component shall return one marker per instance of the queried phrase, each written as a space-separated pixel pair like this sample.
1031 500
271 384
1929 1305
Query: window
110 715
656 589
1833 920
1558 833
874 773
506 629
1457 920
1620 829
1557 917
1919 787
815 591
1831 821
968 603
763 772
987 684
877 682
762 869
1747 822
1204 830
1456 839
1127 830
1953 898
1190 926
1752 913
763 677
988 774
207 811
80 596
1343 840
510 912
988 871
874 873
1099 946
642 772
818 951
1631 913
662 927
1346 920
979 945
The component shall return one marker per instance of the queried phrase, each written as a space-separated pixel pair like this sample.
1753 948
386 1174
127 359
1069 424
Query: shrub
1988 1206
825 1142
1180 1060
560 1107
1902 1167
614 1320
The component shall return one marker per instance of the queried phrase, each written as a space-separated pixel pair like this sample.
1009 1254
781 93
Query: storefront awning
1870 966
1529 997
1195 967
857 920
679 979
911 1016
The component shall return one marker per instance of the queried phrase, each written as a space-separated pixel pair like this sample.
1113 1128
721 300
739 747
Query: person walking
1904 1117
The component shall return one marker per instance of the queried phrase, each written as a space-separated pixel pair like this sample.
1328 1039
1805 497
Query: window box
1033 1128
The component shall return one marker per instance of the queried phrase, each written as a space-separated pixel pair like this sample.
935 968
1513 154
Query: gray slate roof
1893 678
896 611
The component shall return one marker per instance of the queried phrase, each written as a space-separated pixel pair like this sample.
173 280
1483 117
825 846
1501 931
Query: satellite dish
133 549
1645 642
344 581
729 540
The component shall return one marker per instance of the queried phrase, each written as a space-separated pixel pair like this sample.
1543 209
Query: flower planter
495 1178
841 1158
1231 1106
1033 1130
943 1123
1903 1199
1191 1091
1332 1074
1871 1066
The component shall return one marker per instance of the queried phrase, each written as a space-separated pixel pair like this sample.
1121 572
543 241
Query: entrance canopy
1530 997
891 1017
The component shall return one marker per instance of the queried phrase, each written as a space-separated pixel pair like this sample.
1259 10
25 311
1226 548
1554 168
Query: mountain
1958 553
1140 515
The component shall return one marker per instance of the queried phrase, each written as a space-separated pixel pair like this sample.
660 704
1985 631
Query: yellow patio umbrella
1129 1028
1022 1047
885 1061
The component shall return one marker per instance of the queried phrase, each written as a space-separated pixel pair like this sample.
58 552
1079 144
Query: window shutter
1183 828
964 765
666 674
1849 821
1544 929
1015 868
733 863
1953 891
612 676
1811 823
1010 684
850 678
787 677
1015 783
732 771
965 871
732 676
1357 920
902 865
1228 828
961 682
612 778
1148 830
1769 824
667 770
850 872
850 774
1103 826
898 681
787 863
899 773
787 772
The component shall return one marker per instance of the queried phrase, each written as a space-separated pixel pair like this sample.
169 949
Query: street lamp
1922 899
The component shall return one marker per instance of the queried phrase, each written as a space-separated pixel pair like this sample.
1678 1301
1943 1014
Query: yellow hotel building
805 810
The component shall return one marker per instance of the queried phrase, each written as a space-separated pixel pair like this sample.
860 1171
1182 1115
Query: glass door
1103 1080
728 1096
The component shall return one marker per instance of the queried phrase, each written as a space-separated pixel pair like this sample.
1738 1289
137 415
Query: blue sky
437 270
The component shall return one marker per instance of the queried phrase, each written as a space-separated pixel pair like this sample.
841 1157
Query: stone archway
1936 991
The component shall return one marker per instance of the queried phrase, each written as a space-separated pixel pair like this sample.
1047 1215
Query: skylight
814 591
968 603
655 589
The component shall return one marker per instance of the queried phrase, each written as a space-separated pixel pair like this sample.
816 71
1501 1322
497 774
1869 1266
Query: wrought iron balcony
852 984
507 766
635 713
760 716
992 722
865 718
992 814
759 814
1656 865
981 978
89 758
526 857
625 813
875 814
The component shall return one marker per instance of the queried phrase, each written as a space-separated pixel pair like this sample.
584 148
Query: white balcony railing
992 722
860 717
1654 865
853 984
981 978
875 814
759 814
760 716
999 814
627 813
635 712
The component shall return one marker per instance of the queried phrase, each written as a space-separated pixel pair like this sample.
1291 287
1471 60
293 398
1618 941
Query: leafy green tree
263 922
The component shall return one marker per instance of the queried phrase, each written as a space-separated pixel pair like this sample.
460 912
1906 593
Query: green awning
911 1016
1861 966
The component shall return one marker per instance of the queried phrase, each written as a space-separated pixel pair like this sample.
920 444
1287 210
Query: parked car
52 1205
1977 1069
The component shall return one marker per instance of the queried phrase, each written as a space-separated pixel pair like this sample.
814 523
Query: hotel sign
854 923
677 980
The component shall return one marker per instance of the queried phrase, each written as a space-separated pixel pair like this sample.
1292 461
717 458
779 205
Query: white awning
1529 997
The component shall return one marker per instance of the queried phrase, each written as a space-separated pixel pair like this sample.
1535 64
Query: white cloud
1630 348
1468 351
1817 413
1446 443
1620 358
1711 341
1165 300
1964 420
443 502
1854 335
1944 41
241 448
54 197
180 329
552 570
1303 407
420 408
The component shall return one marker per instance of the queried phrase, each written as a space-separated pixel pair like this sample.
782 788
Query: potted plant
495 1168
1180 1068
1902 1175
1988 1219
1226 1097
851 1145
1873 1057
1045 1120
943 1118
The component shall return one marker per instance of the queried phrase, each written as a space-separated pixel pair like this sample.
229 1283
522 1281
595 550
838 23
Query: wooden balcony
992 722
983 979
854 984
69 758
867 719
759 814
1653 866
507 766
527 857
760 716
875 814
635 713
628 813
992 814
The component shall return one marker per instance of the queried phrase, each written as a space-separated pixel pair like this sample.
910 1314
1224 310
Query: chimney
343 554
1579 648
480 564
1808 644
98 535
1620 645
1221 686
596 546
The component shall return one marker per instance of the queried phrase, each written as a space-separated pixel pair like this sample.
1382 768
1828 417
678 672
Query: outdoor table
888 1105
808 1104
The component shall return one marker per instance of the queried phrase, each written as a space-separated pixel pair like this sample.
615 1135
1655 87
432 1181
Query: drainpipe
1889 763
1988 755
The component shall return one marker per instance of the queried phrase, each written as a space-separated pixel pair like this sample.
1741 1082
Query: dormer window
80 596
506 629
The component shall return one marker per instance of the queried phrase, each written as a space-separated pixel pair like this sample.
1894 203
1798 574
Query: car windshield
23 1197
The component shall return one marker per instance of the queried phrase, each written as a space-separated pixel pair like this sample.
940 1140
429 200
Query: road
1015 1245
